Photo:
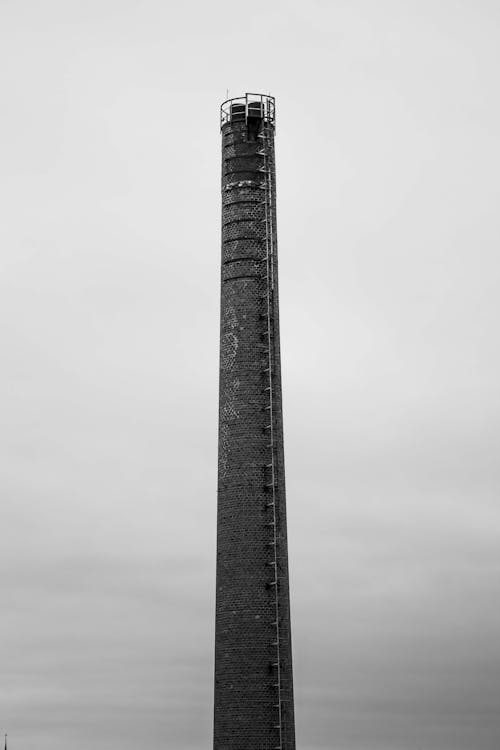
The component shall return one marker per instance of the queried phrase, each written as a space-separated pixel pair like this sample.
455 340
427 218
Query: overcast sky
388 158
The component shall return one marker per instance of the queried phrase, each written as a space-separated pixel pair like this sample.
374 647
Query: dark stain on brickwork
250 712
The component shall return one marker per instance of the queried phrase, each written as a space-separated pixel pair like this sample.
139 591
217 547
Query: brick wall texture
253 707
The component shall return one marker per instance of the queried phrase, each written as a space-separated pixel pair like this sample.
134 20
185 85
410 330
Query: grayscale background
388 122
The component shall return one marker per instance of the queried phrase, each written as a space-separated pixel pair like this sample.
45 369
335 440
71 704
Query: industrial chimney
253 708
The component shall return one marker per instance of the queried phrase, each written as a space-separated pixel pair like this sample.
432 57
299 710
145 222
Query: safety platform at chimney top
249 107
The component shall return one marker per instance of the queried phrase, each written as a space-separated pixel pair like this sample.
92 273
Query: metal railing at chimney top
250 105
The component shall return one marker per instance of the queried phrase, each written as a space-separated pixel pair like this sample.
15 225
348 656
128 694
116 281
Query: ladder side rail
269 299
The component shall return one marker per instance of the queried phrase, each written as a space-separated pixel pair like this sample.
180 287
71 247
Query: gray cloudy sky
389 190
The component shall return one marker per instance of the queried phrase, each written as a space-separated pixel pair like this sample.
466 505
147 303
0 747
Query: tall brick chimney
253 657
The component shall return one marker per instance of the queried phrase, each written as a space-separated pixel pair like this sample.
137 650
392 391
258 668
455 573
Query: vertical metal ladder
267 185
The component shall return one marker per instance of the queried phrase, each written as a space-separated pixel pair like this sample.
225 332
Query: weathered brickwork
253 659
